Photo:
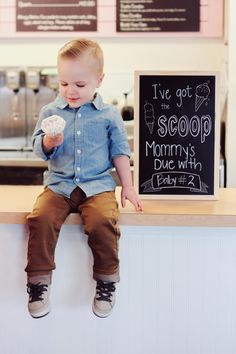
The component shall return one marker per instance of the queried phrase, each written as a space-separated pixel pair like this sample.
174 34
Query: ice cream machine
23 92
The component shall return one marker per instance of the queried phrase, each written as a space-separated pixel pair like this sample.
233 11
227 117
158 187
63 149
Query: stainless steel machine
22 94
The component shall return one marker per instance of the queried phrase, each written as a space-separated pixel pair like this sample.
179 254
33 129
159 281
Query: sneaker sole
41 314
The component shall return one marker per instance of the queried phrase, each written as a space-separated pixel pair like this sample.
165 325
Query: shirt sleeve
118 136
37 139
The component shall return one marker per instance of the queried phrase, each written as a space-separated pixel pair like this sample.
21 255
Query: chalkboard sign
176 135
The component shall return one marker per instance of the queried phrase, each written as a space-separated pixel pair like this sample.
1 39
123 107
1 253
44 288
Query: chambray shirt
94 134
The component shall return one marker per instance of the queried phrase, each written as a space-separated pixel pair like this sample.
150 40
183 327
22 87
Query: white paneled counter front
177 293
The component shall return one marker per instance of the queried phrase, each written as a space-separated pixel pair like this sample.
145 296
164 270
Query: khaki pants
99 215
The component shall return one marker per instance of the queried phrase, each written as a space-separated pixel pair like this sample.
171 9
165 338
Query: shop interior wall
122 57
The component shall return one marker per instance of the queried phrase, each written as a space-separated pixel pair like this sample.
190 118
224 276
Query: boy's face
78 80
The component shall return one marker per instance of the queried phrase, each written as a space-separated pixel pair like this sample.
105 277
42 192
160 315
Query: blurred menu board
158 16
56 15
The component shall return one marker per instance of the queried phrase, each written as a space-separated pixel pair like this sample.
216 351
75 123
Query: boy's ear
100 79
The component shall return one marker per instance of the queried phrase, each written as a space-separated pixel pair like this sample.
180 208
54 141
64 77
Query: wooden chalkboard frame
137 116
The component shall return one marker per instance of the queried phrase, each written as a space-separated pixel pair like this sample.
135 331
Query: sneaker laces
36 291
104 290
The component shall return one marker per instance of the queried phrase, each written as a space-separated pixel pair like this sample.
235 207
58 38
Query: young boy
78 177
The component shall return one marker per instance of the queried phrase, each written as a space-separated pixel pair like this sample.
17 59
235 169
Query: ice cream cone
201 94
149 116
150 127
198 102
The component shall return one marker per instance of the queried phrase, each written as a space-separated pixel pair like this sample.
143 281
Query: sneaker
38 304
104 299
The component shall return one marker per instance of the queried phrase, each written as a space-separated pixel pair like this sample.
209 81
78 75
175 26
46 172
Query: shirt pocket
97 131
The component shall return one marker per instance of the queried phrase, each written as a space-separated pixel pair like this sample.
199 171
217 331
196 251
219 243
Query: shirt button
79 151
78 132
78 168
79 115
77 179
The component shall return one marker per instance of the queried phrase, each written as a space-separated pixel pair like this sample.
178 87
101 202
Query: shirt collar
97 102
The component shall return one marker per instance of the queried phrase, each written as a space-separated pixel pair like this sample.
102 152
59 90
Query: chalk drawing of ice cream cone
201 95
149 116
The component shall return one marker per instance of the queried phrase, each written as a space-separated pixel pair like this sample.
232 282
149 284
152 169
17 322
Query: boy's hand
129 193
49 141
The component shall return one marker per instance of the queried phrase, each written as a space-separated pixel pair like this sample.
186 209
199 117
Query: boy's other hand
49 141
129 193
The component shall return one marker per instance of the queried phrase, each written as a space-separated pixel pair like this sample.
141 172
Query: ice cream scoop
53 125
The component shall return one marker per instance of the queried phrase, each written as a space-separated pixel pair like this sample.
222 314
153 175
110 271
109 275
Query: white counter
177 293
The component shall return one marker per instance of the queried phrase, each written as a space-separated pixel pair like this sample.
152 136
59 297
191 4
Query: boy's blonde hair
77 47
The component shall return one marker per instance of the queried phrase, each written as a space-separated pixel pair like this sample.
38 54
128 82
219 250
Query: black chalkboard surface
176 135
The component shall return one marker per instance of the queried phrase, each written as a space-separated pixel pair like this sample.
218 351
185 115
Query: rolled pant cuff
107 277
43 279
